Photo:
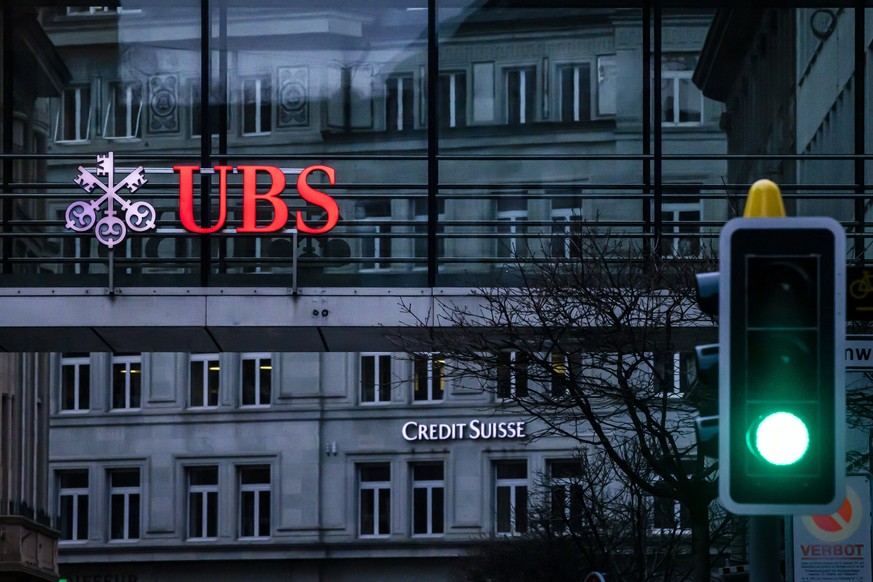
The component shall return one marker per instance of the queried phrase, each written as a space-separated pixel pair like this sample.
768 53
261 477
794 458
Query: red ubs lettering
251 197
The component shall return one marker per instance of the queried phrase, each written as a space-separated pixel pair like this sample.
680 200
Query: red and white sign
836 546
110 230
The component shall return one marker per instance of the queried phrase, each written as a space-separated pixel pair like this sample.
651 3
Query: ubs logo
110 229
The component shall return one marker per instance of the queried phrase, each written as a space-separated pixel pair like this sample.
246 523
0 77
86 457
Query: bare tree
592 517
586 348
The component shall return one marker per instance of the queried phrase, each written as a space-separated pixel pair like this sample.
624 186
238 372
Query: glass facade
594 115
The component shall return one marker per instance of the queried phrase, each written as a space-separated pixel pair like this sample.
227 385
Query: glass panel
74 479
133 517
204 476
265 380
513 470
82 517
368 511
195 515
504 510
376 472
84 387
65 524
125 478
428 472
438 510
521 509
68 388
384 378
419 511
247 514
248 383
135 384
116 510
264 514
255 475
384 511
368 378
119 385
197 384
211 514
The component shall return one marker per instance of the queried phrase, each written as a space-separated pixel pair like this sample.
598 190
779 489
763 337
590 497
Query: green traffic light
780 438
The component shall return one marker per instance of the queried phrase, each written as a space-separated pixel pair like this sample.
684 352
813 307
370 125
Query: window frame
675 235
675 78
379 391
429 486
579 98
376 486
77 364
258 491
133 127
259 358
75 493
129 371
258 104
399 91
510 369
202 491
205 361
452 77
514 485
433 364
527 74
125 492
566 484
59 115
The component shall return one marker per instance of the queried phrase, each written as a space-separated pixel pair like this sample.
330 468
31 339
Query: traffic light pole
764 551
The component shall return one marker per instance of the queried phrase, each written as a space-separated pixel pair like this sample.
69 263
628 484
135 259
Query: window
205 370
126 382
75 384
511 496
520 95
681 228
428 499
254 501
376 241
668 515
681 100
375 378
453 100
73 505
399 109
575 96
567 229
375 505
202 502
257 378
73 118
123 110
257 108
512 375
511 226
560 374
428 377
566 495
124 504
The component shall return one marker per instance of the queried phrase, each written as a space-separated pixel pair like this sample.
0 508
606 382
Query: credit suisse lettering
251 198
475 429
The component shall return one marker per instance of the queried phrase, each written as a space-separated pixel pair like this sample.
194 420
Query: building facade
462 137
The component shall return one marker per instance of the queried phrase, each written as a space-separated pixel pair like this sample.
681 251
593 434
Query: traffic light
781 372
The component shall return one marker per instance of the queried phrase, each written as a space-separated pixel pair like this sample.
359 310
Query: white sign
836 546
475 429
859 354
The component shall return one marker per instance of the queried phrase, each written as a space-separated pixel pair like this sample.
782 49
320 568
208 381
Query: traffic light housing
781 371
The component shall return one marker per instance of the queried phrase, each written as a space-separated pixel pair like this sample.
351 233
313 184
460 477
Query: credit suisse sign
473 430
103 213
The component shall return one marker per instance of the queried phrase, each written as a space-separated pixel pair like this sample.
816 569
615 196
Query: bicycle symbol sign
859 298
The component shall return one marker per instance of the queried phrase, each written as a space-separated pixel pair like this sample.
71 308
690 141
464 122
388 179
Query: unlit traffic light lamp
781 372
